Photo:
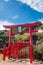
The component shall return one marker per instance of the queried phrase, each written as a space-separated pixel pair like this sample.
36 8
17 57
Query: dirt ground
18 62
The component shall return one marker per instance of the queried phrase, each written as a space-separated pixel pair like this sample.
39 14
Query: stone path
18 62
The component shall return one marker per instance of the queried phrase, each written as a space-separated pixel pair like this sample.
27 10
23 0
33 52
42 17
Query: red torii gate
31 55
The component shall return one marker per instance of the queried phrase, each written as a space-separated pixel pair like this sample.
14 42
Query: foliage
37 55
3 39
19 37
1 56
40 37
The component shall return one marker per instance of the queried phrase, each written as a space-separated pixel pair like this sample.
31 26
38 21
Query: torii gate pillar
31 54
10 41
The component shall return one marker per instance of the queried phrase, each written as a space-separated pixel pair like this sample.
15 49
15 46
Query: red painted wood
31 46
27 31
4 52
24 25
10 41
14 49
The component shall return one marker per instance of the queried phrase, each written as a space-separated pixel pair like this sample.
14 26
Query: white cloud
35 4
14 17
6 0
5 22
41 20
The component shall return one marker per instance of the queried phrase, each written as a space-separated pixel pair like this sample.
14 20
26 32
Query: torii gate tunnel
30 31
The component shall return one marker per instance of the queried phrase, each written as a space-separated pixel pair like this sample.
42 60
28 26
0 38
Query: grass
1 56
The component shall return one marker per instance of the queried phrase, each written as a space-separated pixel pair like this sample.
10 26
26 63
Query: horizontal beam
27 31
12 33
23 25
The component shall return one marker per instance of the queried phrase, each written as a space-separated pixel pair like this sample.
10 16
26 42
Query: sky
14 12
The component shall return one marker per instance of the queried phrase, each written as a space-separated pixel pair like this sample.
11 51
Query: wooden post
4 52
31 46
10 42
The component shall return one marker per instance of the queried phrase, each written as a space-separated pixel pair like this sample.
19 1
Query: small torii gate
30 31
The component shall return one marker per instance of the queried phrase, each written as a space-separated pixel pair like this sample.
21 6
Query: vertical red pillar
31 46
10 42
4 52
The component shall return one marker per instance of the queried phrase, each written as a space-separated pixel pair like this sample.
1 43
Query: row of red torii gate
12 49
